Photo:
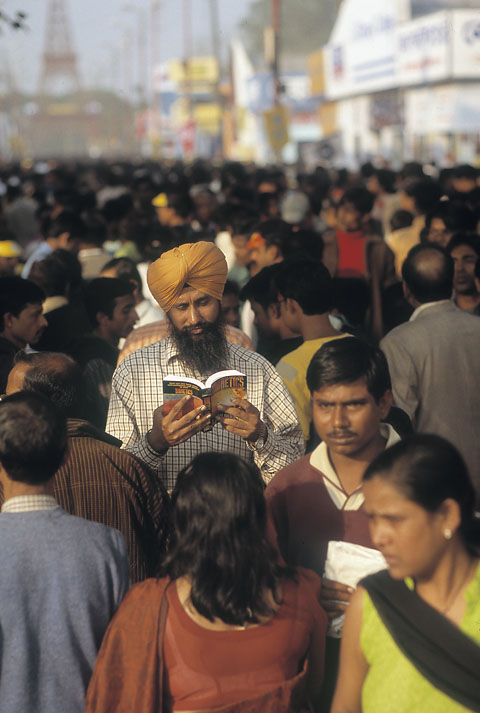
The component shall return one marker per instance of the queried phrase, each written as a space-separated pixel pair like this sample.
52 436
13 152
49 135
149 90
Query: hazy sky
107 38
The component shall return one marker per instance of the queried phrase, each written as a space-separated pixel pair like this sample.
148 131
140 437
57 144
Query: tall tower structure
59 74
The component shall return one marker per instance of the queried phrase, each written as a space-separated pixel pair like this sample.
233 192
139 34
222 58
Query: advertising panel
442 109
423 49
361 56
466 44
373 52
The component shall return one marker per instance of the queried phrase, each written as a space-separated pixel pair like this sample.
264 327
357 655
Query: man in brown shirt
97 481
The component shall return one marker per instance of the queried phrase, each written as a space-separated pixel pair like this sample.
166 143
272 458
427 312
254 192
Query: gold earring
447 533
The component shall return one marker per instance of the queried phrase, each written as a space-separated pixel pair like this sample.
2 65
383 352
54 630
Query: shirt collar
425 306
29 503
320 460
55 302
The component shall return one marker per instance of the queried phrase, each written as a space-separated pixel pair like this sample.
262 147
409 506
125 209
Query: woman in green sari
411 641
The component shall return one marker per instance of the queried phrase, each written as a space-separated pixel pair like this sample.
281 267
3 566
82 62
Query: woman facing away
411 641
239 627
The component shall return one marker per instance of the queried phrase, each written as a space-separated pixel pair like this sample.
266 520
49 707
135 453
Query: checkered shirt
137 390
29 503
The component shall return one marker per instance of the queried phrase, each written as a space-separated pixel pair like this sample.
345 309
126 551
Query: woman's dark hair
428 470
217 538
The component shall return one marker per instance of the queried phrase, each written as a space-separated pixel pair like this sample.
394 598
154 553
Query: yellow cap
160 201
9 248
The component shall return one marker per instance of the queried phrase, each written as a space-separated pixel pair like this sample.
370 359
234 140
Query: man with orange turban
188 283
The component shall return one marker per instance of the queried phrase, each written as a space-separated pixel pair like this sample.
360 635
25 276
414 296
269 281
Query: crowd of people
311 546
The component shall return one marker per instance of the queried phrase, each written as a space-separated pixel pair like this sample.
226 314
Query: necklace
456 591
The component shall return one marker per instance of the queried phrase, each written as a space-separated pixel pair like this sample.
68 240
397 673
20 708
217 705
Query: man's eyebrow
360 400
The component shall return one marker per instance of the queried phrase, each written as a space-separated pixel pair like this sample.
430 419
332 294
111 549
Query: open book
217 393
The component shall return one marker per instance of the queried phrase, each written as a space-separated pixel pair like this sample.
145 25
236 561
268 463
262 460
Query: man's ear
408 296
63 239
273 251
8 318
292 305
101 318
385 403
273 310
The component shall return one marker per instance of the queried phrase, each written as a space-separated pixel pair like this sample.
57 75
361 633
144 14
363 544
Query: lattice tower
59 73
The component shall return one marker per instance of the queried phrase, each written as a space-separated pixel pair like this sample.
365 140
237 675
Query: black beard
205 353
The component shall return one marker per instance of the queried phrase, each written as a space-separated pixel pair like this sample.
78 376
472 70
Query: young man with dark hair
96 480
464 178
66 323
275 338
21 320
464 249
305 297
174 209
446 218
477 284
267 242
110 305
419 197
231 304
65 231
75 571
125 269
426 354
319 498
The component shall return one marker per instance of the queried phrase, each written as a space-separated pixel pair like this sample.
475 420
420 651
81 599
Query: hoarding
466 44
422 54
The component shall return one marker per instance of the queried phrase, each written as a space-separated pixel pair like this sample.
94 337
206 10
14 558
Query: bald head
56 376
428 273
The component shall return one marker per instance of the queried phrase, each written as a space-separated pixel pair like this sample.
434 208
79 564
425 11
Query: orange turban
200 265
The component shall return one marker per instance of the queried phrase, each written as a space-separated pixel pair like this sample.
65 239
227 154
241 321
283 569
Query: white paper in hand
348 563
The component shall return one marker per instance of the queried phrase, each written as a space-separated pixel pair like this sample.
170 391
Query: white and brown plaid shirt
137 390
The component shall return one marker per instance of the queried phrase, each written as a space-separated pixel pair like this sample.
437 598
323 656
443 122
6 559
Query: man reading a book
188 283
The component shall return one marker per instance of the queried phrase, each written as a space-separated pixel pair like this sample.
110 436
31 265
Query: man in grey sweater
62 577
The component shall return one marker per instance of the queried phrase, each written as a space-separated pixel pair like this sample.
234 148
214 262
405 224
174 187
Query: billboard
466 44
378 53
422 54
361 56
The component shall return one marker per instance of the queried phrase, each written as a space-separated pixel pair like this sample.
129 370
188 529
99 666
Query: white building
403 88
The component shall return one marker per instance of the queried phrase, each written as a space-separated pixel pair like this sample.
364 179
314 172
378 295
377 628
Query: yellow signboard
328 118
316 71
197 70
62 109
207 117
276 126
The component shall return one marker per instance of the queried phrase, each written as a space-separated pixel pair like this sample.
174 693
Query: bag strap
447 657
162 622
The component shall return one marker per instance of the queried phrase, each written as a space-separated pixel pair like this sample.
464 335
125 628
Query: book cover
217 393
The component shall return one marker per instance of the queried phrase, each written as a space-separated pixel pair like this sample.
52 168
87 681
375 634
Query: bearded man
188 283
